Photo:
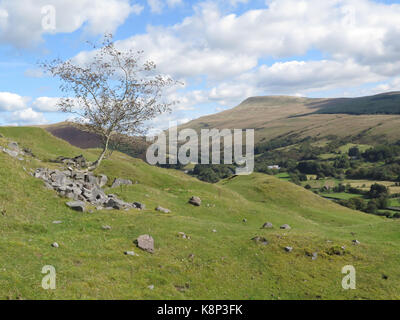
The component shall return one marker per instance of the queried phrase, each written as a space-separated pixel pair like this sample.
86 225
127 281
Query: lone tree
113 94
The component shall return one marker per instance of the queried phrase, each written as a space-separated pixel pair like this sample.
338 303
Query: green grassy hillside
227 264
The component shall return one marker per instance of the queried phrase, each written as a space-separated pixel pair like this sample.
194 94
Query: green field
339 195
227 264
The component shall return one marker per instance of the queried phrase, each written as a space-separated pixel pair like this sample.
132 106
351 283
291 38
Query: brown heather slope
367 119
73 135
134 146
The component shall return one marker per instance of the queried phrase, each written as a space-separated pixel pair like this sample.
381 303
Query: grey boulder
119 182
196 201
146 243
77 205
267 225
164 210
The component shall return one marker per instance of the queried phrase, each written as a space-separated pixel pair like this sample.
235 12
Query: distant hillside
369 119
135 146
386 103
73 135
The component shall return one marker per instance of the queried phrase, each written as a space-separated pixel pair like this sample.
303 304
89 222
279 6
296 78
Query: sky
221 51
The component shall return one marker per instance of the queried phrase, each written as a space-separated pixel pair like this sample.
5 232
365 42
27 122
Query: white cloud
21 21
11 101
156 6
27 116
45 104
137 9
293 76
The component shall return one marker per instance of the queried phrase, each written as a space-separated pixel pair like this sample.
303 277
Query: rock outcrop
14 151
82 188
76 162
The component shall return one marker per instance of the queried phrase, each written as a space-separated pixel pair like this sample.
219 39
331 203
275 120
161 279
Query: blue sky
224 51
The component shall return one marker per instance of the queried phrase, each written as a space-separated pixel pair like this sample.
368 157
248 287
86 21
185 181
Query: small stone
196 201
13 146
57 222
288 249
77 205
183 235
267 225
214 230
314 256
106 227
261 240
102 180
146 243
139 205
130 253
119 182
285 226
55 245
164 210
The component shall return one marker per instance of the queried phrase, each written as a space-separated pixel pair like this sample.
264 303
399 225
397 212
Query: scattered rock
182 288
196 201
57 222
139 205
288 249
106 227
314 256
130 253
267 225
115 203
261 240
356 242
29 152
336 250
214 230
164 210
11 153
119 182
77 205
146 243
285 226
77 162
183 235
13 146
55 245
102 180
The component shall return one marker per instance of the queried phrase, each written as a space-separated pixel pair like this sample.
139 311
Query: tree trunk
97 163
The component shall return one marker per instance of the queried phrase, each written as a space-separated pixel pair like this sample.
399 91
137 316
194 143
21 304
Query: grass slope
90 262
